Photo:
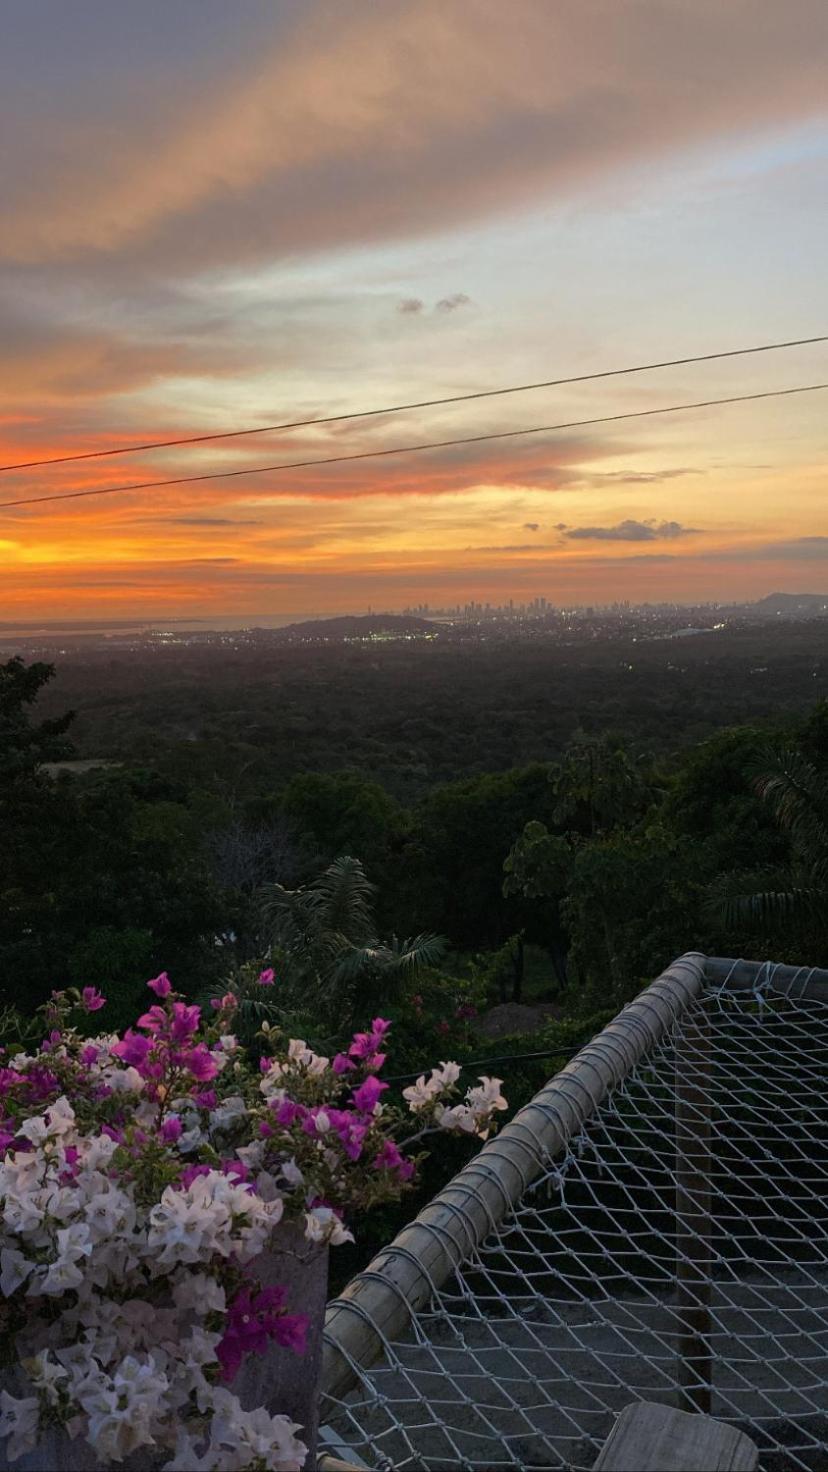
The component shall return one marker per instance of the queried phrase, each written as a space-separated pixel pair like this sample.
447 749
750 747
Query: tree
459 835
538 867
343 813
790 899
599 786
330 958
24 746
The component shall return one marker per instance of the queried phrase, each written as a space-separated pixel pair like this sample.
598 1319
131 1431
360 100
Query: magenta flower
171 1129
254 1320
287 1110
88 1055
365 1044
389 1158
206 1099
225 1003
161 985
342 1064
200 1062
154 1020
267 977
185 1021
366 1096
290 1331
91 999
132 1049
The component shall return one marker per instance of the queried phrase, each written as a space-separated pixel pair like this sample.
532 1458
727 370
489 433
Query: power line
474 439
491 393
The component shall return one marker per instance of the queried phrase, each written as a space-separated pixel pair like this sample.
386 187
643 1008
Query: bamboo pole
806 982
378 1303
693 1075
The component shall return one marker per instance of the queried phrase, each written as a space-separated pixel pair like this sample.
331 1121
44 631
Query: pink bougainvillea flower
185 1021
225 1003
91 999
154 1020
199 1061
389 1158
253 1320
366 1096
132 1049
161 985
171 1129
267 977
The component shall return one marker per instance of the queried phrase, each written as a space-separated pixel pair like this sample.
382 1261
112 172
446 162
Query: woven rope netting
678 1242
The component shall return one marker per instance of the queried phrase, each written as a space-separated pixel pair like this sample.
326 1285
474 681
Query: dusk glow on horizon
216 217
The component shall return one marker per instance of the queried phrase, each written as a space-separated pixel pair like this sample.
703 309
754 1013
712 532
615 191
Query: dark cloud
531 526
451 303
630 531
518 547
411 306
797 547
211 521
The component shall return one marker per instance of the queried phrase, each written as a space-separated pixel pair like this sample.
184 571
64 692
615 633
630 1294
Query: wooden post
648 1437
693 1075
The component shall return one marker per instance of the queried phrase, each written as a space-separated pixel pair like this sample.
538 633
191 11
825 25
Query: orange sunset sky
219 215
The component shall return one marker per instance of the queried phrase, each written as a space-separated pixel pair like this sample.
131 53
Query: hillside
362 626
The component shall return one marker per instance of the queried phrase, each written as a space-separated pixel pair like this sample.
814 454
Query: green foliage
600 786
117 962
24 746
538 864
333 963
790 900
344 813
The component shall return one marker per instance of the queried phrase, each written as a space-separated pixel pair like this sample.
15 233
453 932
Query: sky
219 216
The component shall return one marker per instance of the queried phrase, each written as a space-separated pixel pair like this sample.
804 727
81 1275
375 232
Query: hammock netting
675 1251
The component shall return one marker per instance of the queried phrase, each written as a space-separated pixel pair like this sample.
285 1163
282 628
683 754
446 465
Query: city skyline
210 224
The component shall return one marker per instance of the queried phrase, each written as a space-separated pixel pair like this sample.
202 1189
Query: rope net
678 1243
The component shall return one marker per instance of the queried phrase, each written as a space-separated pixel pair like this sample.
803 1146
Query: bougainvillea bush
142 1178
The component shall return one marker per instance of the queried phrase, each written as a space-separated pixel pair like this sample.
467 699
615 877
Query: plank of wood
653 1438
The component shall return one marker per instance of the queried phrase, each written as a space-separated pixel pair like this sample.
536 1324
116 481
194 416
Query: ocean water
54 628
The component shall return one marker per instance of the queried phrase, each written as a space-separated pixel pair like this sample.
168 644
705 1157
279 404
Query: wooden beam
648 1437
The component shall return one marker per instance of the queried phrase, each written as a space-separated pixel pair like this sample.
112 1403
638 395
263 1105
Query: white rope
568 1311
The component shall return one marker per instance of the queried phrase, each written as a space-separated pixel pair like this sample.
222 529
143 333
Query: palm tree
324 935
793 898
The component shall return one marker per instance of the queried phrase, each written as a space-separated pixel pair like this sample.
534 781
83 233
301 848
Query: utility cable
474 439
490 393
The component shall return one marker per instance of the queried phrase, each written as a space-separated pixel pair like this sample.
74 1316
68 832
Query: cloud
447 114
630 531
211 520
519 547
451 303
411 306
531 526
807 548
633 477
